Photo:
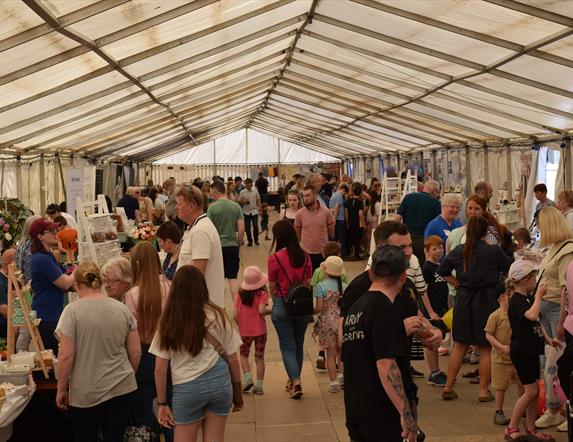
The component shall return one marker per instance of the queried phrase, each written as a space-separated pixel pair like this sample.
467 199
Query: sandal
509 431
288 386
539 435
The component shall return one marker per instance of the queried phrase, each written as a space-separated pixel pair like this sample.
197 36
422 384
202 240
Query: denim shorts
211 392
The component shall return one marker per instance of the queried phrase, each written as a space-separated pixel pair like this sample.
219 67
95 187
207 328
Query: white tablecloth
11 409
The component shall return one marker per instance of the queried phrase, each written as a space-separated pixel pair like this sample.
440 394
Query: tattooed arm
391 379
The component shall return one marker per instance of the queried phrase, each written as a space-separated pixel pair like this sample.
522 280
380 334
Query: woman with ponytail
146 300
478 266
328 292
99 353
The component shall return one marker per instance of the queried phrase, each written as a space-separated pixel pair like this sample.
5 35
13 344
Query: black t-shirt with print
437 288
354 206
373 329
526 336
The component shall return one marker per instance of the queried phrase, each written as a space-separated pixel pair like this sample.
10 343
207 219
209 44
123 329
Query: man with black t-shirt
374 348
396 234
262 185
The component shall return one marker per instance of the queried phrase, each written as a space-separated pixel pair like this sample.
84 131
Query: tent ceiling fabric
141 80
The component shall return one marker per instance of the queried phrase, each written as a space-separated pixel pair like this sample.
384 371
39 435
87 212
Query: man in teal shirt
227 216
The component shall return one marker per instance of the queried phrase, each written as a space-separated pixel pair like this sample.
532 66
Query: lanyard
199 218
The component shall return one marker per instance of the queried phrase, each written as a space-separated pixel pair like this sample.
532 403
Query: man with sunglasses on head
396 234
201 246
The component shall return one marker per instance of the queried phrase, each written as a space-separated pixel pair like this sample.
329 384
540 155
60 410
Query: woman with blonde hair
99 352
565 205
192 337
146 300
558 236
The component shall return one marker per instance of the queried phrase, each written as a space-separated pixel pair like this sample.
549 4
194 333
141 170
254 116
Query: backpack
298 301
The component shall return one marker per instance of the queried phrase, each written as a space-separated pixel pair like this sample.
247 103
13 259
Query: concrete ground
319 415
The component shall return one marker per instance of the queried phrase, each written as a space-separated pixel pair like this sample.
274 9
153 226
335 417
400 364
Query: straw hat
253 278
333 266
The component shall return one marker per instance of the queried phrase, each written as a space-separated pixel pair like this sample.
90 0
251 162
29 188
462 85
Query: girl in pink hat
251 307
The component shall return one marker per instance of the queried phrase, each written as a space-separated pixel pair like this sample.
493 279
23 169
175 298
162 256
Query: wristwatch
162 404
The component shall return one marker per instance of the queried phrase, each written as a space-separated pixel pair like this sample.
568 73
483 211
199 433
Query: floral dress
326 325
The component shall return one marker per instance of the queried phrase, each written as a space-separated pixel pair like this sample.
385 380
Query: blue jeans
549 319
340 235
142 399
290 330
254 221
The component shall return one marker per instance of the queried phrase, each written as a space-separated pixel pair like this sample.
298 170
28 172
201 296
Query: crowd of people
146 330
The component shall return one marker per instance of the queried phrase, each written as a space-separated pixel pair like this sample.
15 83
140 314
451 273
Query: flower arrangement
143 232
13 215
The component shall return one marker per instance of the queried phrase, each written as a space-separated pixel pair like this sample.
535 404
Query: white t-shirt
414 273
184 367
70 220
201 241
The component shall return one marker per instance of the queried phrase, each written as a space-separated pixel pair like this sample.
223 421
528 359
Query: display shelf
97 236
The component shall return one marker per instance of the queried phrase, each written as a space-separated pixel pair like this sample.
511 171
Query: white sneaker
549 420
563 427
334 387
340 379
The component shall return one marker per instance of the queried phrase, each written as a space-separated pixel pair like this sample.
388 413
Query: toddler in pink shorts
251 307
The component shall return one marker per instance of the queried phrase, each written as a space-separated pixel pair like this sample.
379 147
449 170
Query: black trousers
252 220
112 415
388 431
354 239
418 248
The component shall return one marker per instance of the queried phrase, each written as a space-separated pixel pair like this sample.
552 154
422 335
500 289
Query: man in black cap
376 363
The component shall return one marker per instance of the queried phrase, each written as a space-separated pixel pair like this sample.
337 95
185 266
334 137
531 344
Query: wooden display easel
16 295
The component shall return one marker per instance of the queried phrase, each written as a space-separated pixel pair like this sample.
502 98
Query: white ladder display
97 236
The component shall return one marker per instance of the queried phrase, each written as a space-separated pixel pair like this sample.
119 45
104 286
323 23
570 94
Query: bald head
432 187
7 259
484 190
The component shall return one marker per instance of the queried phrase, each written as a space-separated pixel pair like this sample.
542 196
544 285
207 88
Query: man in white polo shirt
201 245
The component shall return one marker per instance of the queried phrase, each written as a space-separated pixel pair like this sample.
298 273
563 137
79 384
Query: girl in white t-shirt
205 386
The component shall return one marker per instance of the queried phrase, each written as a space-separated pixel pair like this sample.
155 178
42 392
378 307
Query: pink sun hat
253 278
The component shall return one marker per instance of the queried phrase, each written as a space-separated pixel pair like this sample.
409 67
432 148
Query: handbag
237 388
299 300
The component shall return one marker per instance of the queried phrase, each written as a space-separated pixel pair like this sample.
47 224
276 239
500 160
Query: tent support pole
509 173
486 164
214 159
42 185
19 178
434 168
468 172
247 148
56 183
567 164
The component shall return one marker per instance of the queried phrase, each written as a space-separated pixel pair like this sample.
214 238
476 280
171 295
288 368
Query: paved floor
319 415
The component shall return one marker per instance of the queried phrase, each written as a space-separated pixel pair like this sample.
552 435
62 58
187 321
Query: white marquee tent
451 81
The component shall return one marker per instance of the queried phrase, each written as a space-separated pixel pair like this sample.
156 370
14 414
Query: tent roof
139 80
